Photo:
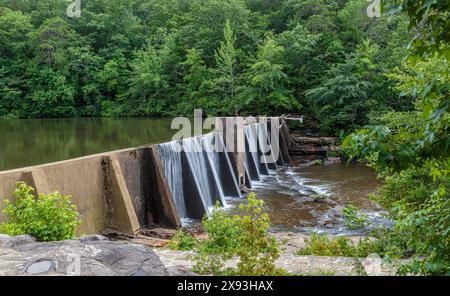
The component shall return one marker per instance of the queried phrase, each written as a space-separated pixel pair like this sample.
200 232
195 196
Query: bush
182 241
245 237
48 217
322 245
415 190
419 200
353 219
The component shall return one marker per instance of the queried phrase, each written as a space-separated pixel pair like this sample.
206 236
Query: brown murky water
289 196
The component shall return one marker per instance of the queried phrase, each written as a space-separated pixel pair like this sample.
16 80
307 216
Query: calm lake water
36 141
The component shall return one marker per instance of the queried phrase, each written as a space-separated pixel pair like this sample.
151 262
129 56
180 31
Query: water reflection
32 142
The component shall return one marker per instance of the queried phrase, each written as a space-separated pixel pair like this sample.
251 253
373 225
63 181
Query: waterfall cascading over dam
171 161
199 173
258 144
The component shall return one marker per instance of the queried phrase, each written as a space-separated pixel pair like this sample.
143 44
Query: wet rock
321 198
332 160
306 146
330 202
245 190
89 256
309 149
314 140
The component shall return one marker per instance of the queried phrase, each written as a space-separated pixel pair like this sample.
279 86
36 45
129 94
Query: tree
429 19
347 94
14 52
50 94
414 158
225 70
147 82
196 74
268 82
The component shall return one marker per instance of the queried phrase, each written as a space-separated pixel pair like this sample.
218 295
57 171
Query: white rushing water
171 161
204 161
208 168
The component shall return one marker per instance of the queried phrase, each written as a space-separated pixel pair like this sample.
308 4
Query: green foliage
319 197
418 198
347 94
228 57
48 217
318 162
182 241
322 245
268 81
353 219
411 150
431 21
244 236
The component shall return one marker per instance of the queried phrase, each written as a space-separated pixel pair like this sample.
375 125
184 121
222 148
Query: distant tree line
325 59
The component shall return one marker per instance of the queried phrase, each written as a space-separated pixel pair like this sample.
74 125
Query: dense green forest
325 59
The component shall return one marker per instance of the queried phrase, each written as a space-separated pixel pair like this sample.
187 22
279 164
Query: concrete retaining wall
112 190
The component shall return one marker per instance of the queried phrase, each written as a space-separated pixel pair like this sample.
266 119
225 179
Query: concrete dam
165 184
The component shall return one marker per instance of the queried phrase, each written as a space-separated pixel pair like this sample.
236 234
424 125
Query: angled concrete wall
111 190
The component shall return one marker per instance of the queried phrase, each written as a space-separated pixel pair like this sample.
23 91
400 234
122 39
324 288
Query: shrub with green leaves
182 241
47 217
243 236
322 245
353 219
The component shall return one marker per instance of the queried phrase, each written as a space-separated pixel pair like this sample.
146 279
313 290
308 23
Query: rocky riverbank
88 256
306 151
96 255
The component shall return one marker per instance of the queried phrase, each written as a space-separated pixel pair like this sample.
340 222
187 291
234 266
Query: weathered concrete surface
89 256
109 194
82 178
122 190
121 214
233 139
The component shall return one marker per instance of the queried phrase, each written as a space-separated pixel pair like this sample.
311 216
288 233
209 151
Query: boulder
89 256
